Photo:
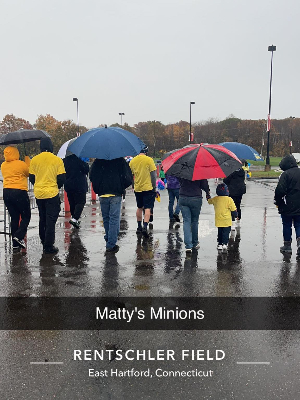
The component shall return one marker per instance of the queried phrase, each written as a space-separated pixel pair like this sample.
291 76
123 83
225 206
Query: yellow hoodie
14 171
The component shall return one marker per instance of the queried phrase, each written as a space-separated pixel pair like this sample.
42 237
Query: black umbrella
22 136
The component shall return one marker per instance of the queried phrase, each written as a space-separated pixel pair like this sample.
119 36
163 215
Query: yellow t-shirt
141 166
223 206
46 166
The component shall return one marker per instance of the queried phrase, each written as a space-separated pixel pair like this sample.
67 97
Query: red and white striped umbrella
201 161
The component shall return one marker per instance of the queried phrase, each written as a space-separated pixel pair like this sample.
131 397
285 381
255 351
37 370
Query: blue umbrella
242 151
106 144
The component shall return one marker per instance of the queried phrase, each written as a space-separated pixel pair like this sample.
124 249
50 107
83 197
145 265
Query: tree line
161 138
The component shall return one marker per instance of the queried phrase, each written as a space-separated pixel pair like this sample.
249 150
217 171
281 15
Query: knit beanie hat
222 190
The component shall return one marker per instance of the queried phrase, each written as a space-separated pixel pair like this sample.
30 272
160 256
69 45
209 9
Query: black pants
223 235
18 205
237 201
77 202
48 210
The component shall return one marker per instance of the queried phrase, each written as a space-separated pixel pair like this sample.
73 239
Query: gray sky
148 59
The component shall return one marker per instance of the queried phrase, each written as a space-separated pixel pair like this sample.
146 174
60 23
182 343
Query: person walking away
173 186
144 171
162 174
237 188
287 199
76 185
47 174
190 202
15 186
224 208
110 178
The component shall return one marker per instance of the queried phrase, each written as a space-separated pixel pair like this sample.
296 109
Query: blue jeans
287 222
111 212
190 209
173 193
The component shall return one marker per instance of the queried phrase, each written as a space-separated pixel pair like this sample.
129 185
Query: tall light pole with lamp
268 166
121 118
190 138
291 141
78 132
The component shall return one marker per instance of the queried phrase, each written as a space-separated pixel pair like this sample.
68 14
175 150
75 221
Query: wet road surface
158 266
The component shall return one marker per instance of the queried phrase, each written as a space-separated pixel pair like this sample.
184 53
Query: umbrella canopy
106 144
62 151
242 151
22 136
201 162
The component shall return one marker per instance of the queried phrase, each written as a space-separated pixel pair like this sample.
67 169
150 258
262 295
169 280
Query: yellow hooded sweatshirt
14 171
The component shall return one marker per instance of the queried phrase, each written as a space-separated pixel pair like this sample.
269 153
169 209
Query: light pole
191 102
291 142
121 118
268 166
75 99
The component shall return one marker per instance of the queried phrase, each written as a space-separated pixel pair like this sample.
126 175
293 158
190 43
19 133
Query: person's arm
61 174
204 186
32 173
153 179
281 190
60 180
32 179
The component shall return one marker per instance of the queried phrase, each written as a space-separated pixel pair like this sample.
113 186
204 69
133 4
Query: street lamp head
272 48
292 117
192 102
75 99
121 113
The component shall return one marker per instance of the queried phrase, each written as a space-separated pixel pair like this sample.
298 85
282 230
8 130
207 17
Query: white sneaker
188 251
233 226
225 247
197 247
220 247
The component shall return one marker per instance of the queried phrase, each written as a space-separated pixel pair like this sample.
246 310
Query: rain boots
287 248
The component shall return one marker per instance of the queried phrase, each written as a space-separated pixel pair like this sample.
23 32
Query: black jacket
193 188
110 176
76 172
287 192
236 183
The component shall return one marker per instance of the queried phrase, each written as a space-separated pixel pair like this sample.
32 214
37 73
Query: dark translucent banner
146 313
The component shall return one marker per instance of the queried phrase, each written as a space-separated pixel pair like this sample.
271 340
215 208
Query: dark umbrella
242 150
200 161
106 144
22 136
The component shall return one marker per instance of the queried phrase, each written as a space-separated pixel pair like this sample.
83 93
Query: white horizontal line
46 362
254 362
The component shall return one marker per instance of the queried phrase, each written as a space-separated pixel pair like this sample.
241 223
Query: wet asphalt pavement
155 267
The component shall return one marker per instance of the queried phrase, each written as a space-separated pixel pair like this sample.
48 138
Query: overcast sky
148 59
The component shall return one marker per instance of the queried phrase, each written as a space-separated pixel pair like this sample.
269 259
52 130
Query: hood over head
222 190
46 145
11 153
288 162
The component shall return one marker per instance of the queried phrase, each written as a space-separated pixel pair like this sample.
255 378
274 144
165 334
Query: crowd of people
110 178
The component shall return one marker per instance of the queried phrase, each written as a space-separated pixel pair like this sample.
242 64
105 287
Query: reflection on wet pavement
158 266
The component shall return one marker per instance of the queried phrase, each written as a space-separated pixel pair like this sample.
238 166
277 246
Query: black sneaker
145 233
75 223
176 217
20 242
50 250
114 249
